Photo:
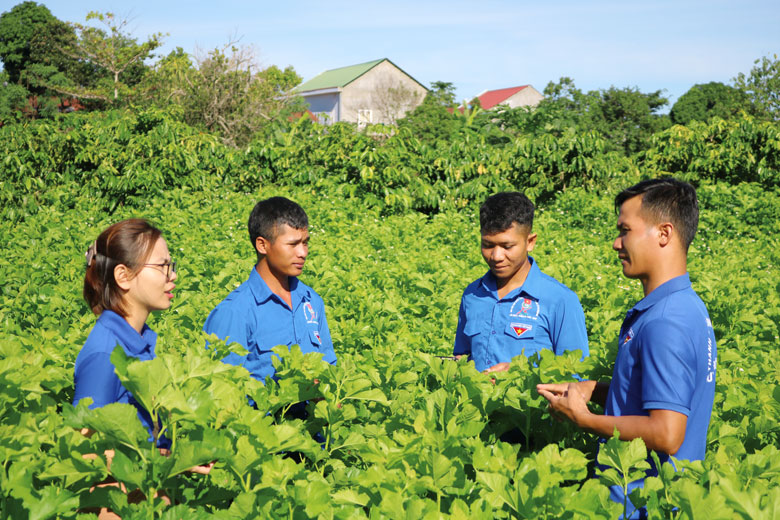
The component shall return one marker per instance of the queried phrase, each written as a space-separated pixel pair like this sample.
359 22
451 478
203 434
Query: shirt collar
298 291
133 342
662 291
530 285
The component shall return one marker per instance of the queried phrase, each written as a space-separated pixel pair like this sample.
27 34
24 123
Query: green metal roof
338 77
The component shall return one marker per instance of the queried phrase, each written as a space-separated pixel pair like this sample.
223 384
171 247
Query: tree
762 86
443 93
708 100
112 51
626 117
30 42
226 91
18 27
434 119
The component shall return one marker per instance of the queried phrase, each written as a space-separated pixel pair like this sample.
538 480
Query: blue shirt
94 374
256 318
666 361
541 314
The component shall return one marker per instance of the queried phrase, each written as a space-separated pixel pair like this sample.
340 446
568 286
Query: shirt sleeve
329 353
462 343
230 326
568 327
96 378
668 367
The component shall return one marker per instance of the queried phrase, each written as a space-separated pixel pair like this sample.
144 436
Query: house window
364 117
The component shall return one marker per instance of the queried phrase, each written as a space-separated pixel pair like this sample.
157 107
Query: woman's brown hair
129 242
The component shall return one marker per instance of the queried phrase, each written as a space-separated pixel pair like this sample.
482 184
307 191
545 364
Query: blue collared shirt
667 360
256 318
94 374
541 314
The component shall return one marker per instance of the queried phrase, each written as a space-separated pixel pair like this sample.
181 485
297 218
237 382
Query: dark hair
129 242
666 199
269 214
501 210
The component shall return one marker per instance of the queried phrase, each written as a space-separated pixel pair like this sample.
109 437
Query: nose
173 276
497 254
617 245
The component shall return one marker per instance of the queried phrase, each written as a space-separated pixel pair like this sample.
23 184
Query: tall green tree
435 118
708 100
114 52
762 85
226 91
31 39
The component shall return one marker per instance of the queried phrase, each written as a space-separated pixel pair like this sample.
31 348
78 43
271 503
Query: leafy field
406 434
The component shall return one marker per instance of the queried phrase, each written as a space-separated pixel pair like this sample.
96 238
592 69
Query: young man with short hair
273 307
663 382
514 308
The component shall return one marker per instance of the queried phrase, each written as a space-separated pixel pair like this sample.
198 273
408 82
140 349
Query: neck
507 285
665 272
137 318
277 282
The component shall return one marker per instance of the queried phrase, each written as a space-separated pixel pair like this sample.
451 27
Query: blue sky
651 45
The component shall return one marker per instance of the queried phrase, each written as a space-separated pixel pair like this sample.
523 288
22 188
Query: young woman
129 274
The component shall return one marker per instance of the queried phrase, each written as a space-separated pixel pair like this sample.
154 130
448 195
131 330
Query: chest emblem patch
524 308
629 336
520 328
317 335
308 313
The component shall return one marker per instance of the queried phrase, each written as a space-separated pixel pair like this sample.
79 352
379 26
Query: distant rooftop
338 77
491 98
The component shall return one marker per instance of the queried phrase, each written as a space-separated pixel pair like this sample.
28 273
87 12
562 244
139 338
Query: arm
96 378
462 343
230 326
662 430
568 328
325 338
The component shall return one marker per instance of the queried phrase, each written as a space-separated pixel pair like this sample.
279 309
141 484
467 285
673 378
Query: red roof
491 98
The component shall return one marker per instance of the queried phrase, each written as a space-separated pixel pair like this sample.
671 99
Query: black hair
501 210
269 214
666 199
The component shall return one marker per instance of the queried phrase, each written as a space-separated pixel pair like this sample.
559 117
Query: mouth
169 292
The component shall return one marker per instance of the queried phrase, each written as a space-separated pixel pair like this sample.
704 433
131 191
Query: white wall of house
369 100
528 97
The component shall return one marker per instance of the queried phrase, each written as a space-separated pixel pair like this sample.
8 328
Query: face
637 240
507 252
288 251
150 288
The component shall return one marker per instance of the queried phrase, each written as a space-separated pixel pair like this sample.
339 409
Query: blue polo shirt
666 361
256 318
94 374
541 314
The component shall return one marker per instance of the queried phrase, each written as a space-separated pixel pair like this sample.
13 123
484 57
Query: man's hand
501 367
569 400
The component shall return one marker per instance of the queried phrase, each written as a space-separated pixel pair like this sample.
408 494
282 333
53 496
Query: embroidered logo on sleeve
308 313
629 336
317 335
524 308
520 328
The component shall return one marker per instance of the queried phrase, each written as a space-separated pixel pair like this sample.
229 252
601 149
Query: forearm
657 435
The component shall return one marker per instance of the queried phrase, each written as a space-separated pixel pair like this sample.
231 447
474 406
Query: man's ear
123 276
665 233
261 245
531 242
